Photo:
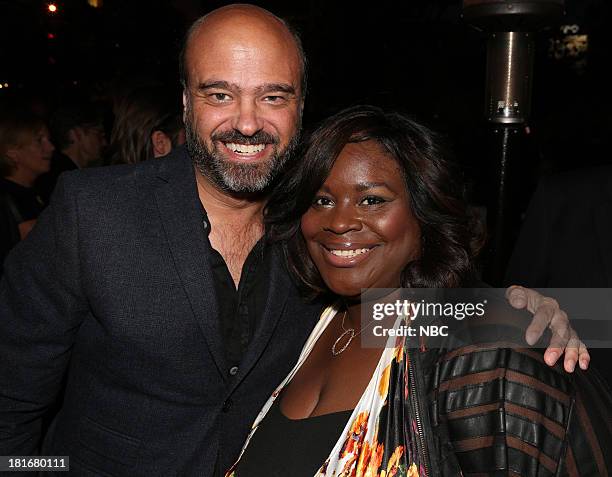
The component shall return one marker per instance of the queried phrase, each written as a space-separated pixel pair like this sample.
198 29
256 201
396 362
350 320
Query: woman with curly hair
374 204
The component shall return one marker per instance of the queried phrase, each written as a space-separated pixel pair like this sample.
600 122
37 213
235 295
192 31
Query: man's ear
162 144
11 154
185 102
75 134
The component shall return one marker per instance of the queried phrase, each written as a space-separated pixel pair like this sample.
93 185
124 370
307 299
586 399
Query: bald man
148 287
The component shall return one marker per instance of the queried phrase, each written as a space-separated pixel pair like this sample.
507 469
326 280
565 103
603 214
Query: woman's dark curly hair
433 184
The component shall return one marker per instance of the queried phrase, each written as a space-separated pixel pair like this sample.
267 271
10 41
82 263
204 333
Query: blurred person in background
565 238
148 124
25 154
78 133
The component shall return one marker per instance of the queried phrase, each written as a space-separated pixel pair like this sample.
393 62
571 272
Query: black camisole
296 447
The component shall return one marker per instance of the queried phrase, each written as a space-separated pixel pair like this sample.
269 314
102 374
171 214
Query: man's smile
245 148
246 152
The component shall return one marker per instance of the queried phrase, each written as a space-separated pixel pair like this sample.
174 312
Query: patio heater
510 26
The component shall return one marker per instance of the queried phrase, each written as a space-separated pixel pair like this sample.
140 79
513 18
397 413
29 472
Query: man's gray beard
237 177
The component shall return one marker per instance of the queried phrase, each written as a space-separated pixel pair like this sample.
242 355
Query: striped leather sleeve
510 414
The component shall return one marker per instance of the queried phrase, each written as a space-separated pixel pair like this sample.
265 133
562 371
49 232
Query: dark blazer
114 288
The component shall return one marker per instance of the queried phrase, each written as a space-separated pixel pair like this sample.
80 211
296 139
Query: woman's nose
343 219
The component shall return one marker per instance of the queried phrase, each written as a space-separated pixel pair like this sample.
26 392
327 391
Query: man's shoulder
125 177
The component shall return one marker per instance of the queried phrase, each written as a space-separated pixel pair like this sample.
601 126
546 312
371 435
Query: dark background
419 56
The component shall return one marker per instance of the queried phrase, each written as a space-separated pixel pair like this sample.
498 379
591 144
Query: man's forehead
240 60
239 17
248 28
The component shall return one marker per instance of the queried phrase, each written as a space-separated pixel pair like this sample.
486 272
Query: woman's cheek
306 224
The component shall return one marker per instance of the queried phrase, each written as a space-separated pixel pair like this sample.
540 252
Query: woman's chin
345 291
353 289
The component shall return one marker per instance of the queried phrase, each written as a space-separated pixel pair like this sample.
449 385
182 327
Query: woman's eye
322 202
372 200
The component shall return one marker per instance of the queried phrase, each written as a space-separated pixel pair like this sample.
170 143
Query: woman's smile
346 254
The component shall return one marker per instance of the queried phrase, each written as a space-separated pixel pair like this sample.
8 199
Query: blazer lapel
181 215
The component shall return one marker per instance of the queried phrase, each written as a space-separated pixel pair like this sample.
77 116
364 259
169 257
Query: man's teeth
245 148
349 253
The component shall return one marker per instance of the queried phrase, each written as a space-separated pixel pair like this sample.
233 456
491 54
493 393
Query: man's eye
221 97
372 200
273 99
322 202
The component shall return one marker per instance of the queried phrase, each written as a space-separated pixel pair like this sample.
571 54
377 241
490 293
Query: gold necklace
350 332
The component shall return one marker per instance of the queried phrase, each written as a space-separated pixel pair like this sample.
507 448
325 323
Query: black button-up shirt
240 310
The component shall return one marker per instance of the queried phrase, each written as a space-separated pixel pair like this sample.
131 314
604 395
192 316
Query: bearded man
150 286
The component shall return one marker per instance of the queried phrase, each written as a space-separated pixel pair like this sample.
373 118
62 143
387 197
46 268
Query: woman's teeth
245 148
349 253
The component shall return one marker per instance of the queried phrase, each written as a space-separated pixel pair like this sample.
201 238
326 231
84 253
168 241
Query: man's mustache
236 137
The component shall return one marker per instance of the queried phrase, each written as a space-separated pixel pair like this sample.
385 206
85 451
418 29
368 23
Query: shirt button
205 223
227 405
233 371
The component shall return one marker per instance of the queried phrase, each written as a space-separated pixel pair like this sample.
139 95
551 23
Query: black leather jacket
491 410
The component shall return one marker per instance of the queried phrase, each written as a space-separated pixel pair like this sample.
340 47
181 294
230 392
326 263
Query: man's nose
343 219
248 120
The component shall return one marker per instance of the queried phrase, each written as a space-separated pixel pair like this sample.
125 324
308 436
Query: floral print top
379 440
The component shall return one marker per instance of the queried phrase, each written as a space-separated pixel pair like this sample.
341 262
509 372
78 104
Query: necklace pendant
350 332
